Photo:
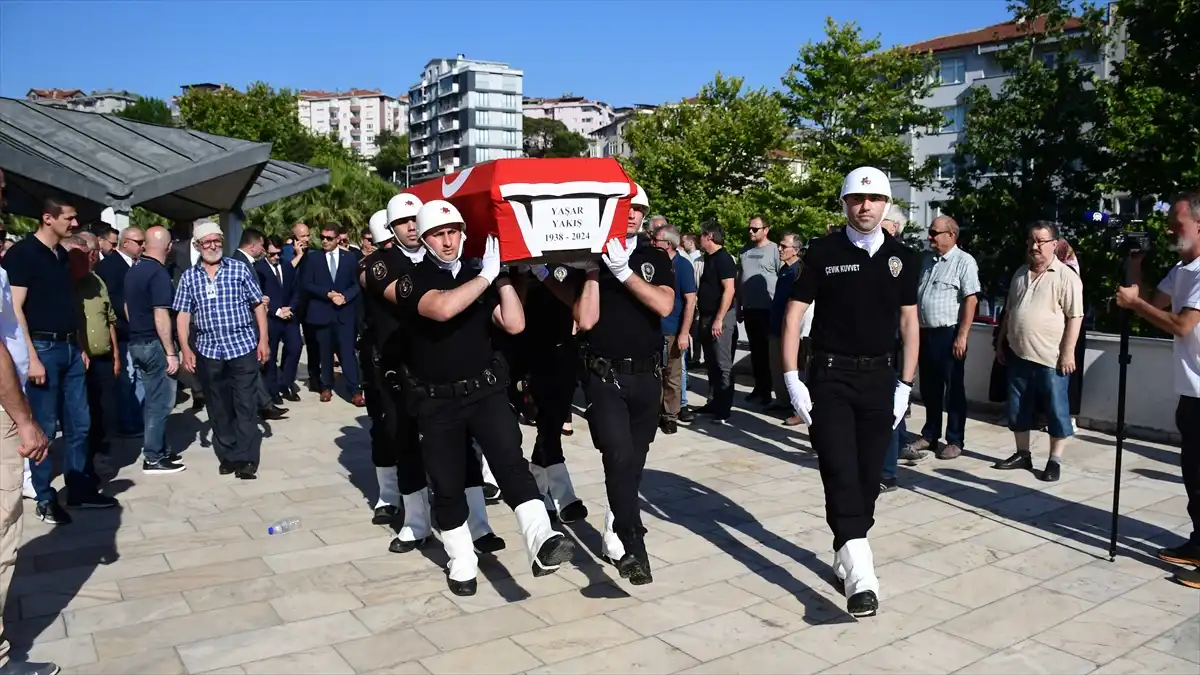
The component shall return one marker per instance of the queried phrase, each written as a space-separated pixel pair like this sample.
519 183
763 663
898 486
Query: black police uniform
850 375
457 390
621 362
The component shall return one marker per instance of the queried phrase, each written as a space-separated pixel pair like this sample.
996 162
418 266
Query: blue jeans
683 380
1033 387
65 391
131 394
150 366
942 386
892 458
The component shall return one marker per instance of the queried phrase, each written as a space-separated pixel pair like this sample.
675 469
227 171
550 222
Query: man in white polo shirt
1175 308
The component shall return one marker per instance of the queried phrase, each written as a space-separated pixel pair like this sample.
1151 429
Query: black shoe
489 543
52 512
462 588
95 500
1018 460
277 400
28 668
554 552
246 471
1051 473
572 512
227 468
402 546
1187 554
491 493
636 568
686 415
175 457
887 485
291 396
384 515
862 604
272 412
197 402
668 426
162 466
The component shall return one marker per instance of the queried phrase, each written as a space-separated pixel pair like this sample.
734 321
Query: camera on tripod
1130 234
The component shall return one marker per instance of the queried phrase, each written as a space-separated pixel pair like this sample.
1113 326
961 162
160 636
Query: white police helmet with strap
402 206
640 200
436 214
381 231
865 180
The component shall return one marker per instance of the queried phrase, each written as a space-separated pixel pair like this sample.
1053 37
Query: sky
615 51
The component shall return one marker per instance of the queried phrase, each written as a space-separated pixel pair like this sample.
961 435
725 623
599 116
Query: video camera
1130 235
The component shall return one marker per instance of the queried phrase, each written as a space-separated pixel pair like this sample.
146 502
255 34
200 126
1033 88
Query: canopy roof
105 160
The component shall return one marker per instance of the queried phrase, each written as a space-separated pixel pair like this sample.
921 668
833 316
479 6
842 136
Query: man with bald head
946 300
148 298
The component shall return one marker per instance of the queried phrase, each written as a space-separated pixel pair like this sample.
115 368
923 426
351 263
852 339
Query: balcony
355 120
448 91
418 134
354 109
355 133
449 143
444 125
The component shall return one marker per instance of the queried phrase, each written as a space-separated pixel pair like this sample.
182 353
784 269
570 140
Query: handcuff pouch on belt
606 369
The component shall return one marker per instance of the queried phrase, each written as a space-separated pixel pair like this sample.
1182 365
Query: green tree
546 137
1034 150
1154 100
148 109
393 155
711 157
858 105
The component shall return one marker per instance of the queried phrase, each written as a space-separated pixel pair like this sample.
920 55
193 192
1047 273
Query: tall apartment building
609 140
106 101
461 113
965 61
356 117
577 113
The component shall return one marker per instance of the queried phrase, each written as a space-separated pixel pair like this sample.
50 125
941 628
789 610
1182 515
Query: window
945 168
951 71
498 137
496 118
955 119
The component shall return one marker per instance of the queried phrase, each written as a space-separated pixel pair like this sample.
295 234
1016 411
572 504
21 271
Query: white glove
798 393
900 403
617 259
539 271
491 259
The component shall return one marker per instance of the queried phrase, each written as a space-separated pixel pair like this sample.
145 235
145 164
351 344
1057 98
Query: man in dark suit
330 280
279 283
250 249
112 270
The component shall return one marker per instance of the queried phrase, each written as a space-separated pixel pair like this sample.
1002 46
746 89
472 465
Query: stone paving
982 571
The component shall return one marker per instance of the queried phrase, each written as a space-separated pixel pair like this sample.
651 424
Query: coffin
541 210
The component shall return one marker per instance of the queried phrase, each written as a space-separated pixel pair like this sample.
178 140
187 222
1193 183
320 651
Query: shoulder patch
647 271
894 265
405 287
379 270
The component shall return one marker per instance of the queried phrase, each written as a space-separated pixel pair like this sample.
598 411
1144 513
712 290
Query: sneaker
887 485
52 512
95 500
28 668
162 466
686 415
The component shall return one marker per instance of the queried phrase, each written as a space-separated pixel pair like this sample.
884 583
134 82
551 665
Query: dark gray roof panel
283 179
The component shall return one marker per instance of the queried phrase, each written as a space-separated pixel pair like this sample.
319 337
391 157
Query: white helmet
640 199
381 231
435 214
402 206
867 180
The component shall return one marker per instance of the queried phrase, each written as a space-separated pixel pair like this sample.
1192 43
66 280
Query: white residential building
463 112
577 113
965 61
107 101
356 117
609 140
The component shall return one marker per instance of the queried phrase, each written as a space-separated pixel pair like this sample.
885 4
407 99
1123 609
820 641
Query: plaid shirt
221 308
946 280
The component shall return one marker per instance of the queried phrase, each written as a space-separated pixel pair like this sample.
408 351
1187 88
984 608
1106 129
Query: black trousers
447 426
231 389
1187 420
758 334
552 378
623 418
382 452
312 359
851 430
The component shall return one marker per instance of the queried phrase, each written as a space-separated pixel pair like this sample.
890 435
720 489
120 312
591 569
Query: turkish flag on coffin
541 210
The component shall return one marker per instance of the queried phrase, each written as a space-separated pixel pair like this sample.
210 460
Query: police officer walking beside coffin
867 283
457 384
620 311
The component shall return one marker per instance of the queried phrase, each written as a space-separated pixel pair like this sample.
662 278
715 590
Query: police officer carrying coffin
457 387
866 282
620 311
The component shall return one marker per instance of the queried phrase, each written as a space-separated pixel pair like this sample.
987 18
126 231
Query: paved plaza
982 571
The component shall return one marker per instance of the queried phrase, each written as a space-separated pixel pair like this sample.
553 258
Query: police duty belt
605 368
490 377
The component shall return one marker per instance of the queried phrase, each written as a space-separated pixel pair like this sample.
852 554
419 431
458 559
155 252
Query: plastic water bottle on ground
284 526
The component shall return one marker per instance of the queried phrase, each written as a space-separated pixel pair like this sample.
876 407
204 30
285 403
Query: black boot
635 564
